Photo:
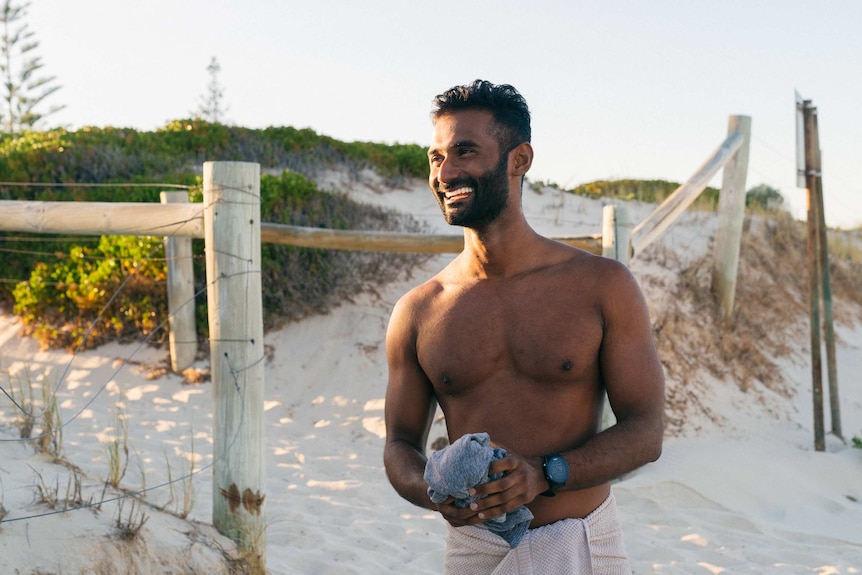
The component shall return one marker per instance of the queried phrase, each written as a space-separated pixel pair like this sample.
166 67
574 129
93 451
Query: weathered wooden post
181 293
617 233
828 318
812 172
825 283
232 238
731 216
812 178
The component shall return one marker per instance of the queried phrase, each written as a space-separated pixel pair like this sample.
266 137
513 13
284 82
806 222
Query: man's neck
502 249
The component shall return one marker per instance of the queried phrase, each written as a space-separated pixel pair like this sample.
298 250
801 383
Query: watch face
558 469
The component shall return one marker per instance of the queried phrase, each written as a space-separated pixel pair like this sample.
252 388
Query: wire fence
53 417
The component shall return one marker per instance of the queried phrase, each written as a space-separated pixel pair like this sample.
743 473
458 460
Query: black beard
490 194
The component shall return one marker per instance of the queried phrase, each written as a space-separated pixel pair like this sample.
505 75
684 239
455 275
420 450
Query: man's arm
409 410
634 381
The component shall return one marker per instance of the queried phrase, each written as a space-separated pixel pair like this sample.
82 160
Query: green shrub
764 199
116 289
651 191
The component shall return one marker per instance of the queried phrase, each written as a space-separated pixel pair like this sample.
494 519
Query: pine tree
212 103
24 88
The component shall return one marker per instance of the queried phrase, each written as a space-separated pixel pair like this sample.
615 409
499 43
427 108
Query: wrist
556 472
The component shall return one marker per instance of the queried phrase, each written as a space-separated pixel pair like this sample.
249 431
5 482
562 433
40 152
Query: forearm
623 447
405 468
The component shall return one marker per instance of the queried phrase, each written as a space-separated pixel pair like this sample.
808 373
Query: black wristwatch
556 472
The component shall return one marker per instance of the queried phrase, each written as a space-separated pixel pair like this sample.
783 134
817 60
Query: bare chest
522 334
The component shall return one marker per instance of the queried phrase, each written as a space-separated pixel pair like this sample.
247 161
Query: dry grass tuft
50 495
19 390
129 527
117 450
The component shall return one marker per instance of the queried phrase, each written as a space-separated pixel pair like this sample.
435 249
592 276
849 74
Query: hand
457 516
522 482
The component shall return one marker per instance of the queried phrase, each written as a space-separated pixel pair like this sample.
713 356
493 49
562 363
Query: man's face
468 171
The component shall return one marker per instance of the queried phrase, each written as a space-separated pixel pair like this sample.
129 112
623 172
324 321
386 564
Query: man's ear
521 158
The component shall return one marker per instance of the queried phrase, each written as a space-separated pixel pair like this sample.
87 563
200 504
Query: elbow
655 443
647 433
655 452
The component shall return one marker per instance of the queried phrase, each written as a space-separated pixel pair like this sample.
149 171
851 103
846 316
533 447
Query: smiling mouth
458 193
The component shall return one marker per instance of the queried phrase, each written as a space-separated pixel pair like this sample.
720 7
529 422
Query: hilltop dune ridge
738 489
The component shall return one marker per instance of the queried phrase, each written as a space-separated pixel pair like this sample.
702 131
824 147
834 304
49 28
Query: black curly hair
510 111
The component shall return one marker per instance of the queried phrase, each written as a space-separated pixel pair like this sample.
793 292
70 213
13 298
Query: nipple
447 380
567 366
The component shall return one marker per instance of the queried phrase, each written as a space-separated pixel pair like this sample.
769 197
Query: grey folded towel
453 470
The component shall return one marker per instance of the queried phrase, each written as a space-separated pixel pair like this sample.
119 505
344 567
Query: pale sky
617 88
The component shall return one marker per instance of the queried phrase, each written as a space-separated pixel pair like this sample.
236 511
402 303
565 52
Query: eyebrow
456 145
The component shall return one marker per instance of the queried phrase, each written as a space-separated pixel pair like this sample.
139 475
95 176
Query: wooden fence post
731 216
828 317
812 172
232 238
823 270
181 293
617 233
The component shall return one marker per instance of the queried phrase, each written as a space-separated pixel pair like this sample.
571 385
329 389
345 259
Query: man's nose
448 171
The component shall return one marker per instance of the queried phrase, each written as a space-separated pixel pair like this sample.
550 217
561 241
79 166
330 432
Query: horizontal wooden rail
103 218
359 240
388 241
655 224
186 220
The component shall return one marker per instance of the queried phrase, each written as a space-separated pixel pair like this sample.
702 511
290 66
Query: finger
498 505
458 516
507 481
494 445
507 493
501 465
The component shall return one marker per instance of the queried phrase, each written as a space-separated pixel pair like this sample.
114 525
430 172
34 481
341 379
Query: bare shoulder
597 269
612 274
418 298
414 305
605 282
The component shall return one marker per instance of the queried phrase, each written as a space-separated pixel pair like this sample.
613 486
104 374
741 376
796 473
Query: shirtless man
519 336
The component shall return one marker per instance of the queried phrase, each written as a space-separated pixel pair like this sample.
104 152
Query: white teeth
458 192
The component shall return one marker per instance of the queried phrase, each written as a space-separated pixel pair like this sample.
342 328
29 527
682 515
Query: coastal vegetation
67 290
80 291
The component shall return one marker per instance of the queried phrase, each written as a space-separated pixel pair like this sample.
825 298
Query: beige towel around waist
589 546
